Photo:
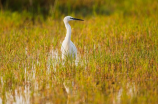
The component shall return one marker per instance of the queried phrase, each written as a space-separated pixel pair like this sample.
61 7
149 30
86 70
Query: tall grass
118 58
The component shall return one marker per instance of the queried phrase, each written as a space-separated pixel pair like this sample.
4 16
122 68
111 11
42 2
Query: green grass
119 51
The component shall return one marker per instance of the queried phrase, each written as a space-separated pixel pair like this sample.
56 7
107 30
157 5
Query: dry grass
118 60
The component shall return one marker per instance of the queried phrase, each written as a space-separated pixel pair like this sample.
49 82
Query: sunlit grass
118 60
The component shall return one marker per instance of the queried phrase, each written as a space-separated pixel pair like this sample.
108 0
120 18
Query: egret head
69 18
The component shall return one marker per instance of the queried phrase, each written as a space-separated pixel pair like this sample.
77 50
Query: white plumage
68 49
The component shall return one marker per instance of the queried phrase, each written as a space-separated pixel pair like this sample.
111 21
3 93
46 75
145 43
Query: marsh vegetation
117 55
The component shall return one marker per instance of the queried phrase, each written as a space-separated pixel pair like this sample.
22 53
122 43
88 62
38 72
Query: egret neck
68 33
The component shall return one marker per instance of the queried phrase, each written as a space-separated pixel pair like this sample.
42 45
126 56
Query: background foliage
77 7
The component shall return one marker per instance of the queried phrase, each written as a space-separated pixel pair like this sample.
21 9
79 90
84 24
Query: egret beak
77 19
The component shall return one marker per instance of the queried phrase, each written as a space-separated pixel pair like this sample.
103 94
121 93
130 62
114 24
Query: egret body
68 49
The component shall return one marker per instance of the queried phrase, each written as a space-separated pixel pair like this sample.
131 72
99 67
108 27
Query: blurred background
58 8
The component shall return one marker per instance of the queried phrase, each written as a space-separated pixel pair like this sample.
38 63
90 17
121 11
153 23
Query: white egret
68 49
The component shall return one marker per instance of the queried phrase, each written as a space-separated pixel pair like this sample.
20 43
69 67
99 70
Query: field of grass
117 59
